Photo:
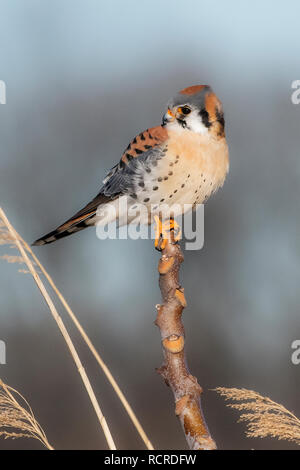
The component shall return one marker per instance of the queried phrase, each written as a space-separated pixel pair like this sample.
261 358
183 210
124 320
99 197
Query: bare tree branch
184 386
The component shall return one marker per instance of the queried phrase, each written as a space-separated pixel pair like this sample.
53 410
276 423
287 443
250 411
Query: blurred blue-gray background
83 77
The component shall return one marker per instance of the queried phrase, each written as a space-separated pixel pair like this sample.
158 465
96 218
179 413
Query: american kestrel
181 162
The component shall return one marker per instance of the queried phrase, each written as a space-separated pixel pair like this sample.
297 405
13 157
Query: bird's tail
65 230
79 221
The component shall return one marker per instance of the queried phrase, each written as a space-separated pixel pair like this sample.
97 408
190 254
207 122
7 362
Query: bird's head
195 109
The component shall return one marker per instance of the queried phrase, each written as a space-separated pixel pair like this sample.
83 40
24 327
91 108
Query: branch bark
175 371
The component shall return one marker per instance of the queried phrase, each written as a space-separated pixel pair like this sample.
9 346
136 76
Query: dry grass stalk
185 387
263 416
17 419
16 239
95 353
5 239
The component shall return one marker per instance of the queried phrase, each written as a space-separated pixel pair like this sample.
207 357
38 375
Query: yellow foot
164 231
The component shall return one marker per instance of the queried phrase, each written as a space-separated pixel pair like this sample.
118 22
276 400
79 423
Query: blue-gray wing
141 154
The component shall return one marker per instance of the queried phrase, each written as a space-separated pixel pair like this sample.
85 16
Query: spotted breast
189 168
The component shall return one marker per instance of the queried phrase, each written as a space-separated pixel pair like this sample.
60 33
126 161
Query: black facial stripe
183 123
220 118
205 118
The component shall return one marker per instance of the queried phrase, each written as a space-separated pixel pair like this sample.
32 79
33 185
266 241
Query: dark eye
185 110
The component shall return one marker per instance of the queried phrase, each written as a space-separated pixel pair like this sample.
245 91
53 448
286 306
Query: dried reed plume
263 417
16 419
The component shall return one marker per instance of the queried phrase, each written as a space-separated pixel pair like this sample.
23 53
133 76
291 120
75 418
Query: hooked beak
168 117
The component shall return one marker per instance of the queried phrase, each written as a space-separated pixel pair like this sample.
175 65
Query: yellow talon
177 230
163 230
158 229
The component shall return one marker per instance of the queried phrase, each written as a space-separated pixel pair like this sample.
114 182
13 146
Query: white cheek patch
193 121
195 124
